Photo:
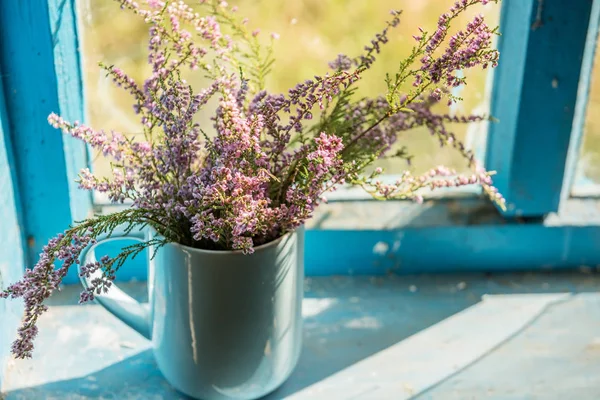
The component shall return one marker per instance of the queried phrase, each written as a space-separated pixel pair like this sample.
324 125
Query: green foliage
253 58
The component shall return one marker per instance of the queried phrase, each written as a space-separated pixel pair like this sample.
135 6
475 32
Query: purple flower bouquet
266 163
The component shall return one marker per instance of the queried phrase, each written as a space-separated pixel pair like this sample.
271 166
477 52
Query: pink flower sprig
465 49
113 145
38 284
411 187
437 73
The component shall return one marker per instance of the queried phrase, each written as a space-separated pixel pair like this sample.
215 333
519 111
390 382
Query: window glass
587 179
312 33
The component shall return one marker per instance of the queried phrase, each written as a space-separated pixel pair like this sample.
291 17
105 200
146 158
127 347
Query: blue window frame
542 46
539 97
40 61
12 260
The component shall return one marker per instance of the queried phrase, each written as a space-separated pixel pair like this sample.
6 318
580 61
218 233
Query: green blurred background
312 32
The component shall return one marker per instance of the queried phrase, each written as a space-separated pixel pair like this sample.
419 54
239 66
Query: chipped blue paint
12 259
451 249
70 91
535 90
38 53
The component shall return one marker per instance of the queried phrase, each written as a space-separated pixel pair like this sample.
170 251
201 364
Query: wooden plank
346 320
557 359
434 354
452 249
535 90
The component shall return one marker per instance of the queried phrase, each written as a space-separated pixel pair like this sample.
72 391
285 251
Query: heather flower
38 284
367 59
156 4
342 63
271 158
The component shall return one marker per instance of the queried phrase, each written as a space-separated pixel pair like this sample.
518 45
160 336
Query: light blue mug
223 325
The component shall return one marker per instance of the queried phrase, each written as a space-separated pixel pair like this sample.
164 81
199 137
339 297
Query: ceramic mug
223 325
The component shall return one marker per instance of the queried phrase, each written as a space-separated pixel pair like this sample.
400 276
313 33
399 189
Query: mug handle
116 301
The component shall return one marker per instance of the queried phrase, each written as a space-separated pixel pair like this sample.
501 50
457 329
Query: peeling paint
366 322
380 248
538 23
